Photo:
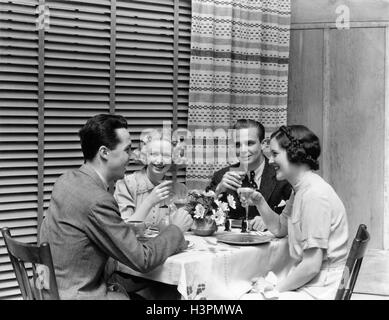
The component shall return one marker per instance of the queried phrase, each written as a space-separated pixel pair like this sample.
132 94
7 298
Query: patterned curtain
238 69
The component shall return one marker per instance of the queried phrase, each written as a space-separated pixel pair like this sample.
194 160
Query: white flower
222 205
199 211
218 216
231 201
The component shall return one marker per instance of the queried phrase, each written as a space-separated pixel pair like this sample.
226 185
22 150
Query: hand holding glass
241 170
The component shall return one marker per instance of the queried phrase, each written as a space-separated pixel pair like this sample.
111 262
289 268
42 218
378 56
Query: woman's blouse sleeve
125 197
315 222
286 214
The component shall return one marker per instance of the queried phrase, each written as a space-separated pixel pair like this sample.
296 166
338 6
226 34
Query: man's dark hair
249 123
100 131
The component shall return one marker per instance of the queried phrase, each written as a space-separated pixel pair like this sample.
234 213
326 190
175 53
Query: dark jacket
84 228
272 190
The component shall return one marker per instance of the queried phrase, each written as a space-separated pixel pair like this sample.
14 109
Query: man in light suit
83 224
261 175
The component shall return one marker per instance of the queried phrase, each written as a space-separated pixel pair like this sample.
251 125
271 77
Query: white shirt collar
259 170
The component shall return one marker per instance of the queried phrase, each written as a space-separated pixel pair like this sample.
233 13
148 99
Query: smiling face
279 160
249 148
159 156
118 158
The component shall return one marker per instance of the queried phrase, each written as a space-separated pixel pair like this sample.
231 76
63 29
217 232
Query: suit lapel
268 181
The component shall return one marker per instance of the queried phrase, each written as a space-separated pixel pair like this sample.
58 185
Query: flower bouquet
207 211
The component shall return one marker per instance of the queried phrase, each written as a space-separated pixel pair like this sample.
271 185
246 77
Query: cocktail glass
245 194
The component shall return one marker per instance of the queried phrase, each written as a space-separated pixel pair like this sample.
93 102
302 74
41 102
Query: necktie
250 183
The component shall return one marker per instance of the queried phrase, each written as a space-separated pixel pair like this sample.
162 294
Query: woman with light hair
142 195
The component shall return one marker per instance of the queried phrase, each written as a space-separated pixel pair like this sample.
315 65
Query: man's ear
265 144
103 152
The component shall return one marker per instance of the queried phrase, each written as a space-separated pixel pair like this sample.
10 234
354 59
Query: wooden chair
43 284
353 264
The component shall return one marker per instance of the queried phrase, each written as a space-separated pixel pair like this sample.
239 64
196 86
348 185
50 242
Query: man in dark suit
83 224
261 175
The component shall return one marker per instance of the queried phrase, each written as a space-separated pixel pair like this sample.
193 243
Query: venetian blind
77 75
18 129
80 49
145 59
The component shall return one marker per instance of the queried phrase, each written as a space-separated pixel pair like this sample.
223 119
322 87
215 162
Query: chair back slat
43 283
353 264
25 280
19 276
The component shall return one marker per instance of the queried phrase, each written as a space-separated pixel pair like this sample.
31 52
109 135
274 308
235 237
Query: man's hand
257 224
231 180
182 219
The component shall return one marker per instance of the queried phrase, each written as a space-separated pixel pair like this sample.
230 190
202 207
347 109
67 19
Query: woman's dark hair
100 131
249 123
301 144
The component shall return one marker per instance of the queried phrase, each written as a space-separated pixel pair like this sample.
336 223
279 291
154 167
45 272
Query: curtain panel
238 69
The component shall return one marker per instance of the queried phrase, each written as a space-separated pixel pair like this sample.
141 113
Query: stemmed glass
176 200
180 195
165 206
244 194
242 171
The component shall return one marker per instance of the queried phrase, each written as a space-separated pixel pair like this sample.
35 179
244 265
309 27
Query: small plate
243 239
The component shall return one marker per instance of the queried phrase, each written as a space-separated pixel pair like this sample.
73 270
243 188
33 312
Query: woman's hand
250 197
262 285
160 192
257 224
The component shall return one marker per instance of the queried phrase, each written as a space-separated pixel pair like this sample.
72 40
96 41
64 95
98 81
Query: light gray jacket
84 228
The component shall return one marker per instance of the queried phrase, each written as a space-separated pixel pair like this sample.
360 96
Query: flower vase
204 227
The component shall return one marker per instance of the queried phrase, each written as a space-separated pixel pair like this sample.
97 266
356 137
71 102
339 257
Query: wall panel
305 98
356 125
345 101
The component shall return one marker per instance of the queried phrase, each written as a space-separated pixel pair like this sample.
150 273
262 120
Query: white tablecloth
221 271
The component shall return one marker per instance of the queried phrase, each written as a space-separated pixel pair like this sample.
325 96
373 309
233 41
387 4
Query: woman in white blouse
314 219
